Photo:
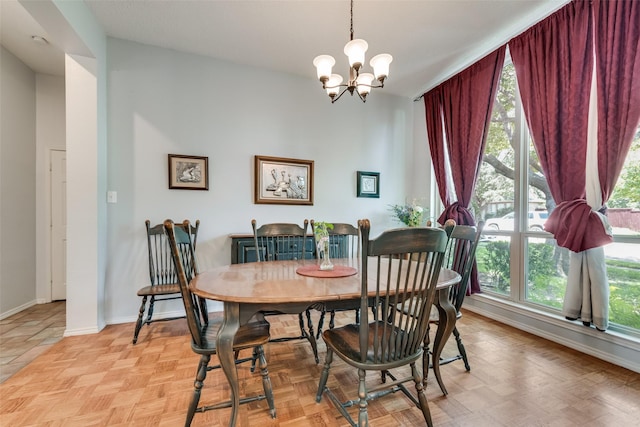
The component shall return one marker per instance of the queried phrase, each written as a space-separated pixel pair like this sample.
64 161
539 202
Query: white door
58 173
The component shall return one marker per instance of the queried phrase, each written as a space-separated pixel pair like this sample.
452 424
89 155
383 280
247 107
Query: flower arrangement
321 230
321 233
409 214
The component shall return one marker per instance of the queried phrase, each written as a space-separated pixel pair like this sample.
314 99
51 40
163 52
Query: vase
326 260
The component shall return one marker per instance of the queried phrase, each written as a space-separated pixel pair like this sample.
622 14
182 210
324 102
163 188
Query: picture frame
368 184
283 181
188 172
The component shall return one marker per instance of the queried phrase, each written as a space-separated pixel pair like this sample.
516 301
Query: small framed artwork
368 184
283 181
188 172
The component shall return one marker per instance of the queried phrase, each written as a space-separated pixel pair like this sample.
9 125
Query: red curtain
617 47
554 66
433 112
467 103
464 103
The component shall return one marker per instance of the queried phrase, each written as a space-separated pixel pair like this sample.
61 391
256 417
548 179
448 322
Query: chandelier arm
341 93
333 87
372 87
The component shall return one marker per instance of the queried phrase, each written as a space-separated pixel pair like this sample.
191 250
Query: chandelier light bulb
380 64
364 83
355 50
333 85
323 64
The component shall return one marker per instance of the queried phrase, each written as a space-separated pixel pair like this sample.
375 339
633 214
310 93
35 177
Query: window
520 262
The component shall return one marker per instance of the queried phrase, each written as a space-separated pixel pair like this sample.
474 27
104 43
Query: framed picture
368 184
283 181
188 172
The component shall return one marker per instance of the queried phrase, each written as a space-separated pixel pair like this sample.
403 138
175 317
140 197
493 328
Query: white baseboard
156 315
18 309
80 331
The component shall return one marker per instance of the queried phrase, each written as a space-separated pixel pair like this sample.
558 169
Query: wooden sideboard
243 249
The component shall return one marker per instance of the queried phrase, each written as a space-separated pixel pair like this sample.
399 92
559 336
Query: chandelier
360 83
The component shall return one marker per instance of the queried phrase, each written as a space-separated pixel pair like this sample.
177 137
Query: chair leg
363 416
204 311
139 322
152 301
422 399
309 335
461 349
266 381
320 324
254 357
325 374
425 356
201 374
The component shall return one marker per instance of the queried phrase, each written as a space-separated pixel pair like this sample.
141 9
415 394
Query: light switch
112 197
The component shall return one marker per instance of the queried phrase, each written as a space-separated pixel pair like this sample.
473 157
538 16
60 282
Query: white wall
163 101
84 279
17 184
50 135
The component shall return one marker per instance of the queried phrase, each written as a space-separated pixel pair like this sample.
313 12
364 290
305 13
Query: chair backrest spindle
279 241
408 263
186 268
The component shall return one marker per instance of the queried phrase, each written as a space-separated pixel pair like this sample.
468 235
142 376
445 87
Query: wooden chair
344 242
460 257
407 264
253 335
285 241
162 275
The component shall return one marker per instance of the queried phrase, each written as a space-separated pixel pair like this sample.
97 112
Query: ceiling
430 40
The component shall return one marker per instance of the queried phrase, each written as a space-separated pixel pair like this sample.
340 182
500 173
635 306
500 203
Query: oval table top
278 281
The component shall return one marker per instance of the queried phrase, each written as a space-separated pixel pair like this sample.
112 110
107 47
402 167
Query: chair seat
171 288
345 341
248 336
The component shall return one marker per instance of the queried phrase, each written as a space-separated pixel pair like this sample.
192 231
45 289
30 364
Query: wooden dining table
250 288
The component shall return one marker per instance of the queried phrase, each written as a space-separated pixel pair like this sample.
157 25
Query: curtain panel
467 103
554 64
435 136
617 48
461 107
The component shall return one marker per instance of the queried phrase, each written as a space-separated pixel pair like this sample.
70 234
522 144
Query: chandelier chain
351 20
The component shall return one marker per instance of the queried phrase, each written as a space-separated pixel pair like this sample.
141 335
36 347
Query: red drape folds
433 112
467 103
464 104
617 47
554 66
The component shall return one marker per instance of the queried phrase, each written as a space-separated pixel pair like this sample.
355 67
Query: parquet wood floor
516 379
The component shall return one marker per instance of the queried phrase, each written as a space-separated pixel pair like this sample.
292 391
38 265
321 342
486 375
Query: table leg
446 323
226 334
